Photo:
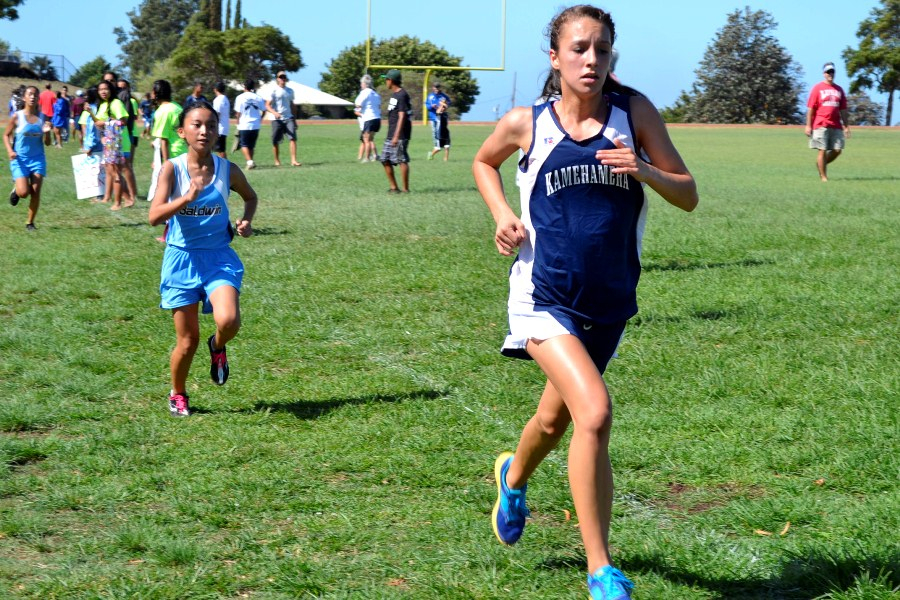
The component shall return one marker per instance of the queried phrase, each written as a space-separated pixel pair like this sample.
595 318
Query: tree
209 14
238 20
342 77
862 110
255 52
157 26
228 15
43 67
8 9
876 63
677 113
746 76
215 15
90 73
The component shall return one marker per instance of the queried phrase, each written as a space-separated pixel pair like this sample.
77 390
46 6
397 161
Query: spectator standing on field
395 150
92 139
368 111
195 96
77 108
222 105
165 130
280 104
249 107
826 120
437 103
129 129
146 108
60 119
46 101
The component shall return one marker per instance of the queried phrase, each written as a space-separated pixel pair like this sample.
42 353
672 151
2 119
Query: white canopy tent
303 94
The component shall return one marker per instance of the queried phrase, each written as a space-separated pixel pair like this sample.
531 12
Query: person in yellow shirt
110 116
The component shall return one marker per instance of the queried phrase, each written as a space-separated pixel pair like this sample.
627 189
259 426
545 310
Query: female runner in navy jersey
572 286
199 264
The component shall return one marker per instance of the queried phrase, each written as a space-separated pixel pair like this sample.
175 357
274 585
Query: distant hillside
8 84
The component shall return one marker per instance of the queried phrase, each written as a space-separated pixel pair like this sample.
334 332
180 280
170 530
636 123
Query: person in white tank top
569 340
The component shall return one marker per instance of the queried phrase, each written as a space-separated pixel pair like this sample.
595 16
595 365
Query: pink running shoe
179 405
218 368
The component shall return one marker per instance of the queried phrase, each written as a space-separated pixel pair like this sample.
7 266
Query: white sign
90 176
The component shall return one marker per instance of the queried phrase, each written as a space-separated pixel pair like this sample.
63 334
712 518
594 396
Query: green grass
350 454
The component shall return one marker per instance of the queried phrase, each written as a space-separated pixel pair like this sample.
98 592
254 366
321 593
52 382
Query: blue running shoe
609 583
508 518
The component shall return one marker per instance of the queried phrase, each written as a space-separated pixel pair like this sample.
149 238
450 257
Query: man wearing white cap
826 120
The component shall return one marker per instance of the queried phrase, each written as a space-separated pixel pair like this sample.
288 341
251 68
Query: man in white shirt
249 107
222 106
280 104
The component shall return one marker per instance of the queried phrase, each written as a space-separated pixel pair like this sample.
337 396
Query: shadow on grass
112 225
702 314
270 231
688 265
801 577
891 178
310 409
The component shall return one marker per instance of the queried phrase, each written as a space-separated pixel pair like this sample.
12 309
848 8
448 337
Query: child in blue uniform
27 162
572 287
199 265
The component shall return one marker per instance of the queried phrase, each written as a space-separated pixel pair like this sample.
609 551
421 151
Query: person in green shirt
164 130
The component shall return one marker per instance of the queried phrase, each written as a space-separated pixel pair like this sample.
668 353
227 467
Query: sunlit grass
350 454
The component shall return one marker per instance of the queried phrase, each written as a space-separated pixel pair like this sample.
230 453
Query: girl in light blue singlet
587 156
199 265
27 162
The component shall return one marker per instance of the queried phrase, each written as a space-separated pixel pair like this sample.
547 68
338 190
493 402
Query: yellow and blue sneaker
508 517
609 583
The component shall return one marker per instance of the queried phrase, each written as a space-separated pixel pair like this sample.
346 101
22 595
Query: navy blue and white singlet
580 262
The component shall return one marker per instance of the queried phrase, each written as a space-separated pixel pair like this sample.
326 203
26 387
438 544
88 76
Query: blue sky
660 42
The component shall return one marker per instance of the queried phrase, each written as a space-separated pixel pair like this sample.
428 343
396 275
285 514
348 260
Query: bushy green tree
862 110
876 63
157 26
746 76
8 9
90 72
677 113
210 56
342 77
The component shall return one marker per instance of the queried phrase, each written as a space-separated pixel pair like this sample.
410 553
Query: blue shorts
247 138
24 167
190 276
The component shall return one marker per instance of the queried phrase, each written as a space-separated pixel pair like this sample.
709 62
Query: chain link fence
37 65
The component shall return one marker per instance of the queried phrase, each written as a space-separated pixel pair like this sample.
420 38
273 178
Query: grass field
350 454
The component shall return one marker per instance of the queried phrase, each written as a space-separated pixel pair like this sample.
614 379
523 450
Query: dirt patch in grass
686 499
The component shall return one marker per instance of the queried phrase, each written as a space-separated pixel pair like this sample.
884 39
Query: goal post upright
429 68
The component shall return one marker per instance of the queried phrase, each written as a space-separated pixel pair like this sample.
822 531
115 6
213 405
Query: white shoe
251 164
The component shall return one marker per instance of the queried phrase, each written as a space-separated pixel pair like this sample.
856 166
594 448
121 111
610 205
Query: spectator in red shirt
826 120
46 101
